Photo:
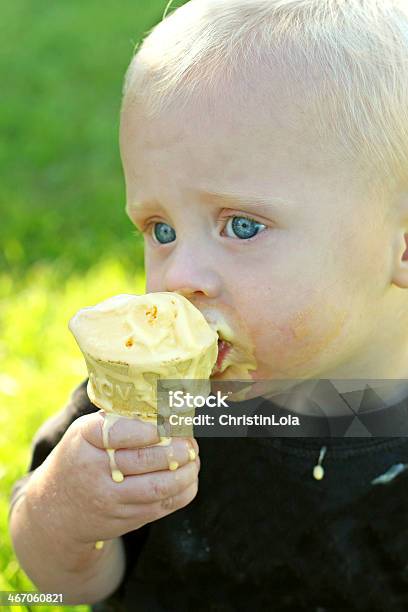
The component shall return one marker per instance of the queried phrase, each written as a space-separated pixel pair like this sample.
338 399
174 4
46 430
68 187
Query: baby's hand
73 489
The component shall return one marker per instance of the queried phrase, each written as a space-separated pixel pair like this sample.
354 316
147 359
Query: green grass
65 241
39 366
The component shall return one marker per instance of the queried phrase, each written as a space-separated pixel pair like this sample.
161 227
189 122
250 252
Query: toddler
265 152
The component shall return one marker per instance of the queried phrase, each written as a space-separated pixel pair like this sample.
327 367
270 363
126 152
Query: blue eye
244 227
164 233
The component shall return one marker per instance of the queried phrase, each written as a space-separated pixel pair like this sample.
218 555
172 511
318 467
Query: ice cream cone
129 342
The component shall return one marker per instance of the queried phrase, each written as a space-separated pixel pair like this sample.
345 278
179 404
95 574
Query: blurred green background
65 241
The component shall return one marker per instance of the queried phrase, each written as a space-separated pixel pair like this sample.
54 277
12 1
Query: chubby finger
132 461
156 486
170 504
120 432
138 515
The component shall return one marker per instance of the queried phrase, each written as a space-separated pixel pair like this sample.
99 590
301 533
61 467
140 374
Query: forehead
259 132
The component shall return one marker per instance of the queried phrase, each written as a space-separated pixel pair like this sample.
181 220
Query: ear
400 258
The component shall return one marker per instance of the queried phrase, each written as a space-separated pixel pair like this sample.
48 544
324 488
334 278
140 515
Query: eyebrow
232 199
138 209
229 200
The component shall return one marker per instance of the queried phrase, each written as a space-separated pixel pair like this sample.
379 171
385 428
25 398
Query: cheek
302 341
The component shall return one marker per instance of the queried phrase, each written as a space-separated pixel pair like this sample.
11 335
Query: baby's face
242 212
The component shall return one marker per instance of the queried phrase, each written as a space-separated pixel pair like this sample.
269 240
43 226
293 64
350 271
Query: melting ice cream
130 341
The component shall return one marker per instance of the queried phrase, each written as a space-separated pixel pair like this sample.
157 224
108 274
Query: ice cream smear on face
235 358
131 341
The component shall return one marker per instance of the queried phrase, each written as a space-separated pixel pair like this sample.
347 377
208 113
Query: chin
241 383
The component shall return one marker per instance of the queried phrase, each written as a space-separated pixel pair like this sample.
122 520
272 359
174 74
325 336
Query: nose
192 274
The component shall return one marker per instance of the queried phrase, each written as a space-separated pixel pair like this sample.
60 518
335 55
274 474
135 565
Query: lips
224 348
236 348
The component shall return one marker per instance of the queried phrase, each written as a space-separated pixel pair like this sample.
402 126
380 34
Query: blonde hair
351 54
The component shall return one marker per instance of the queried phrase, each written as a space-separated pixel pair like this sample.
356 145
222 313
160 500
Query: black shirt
262 533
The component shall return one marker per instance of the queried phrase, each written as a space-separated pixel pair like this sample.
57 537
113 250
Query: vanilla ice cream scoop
131 341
